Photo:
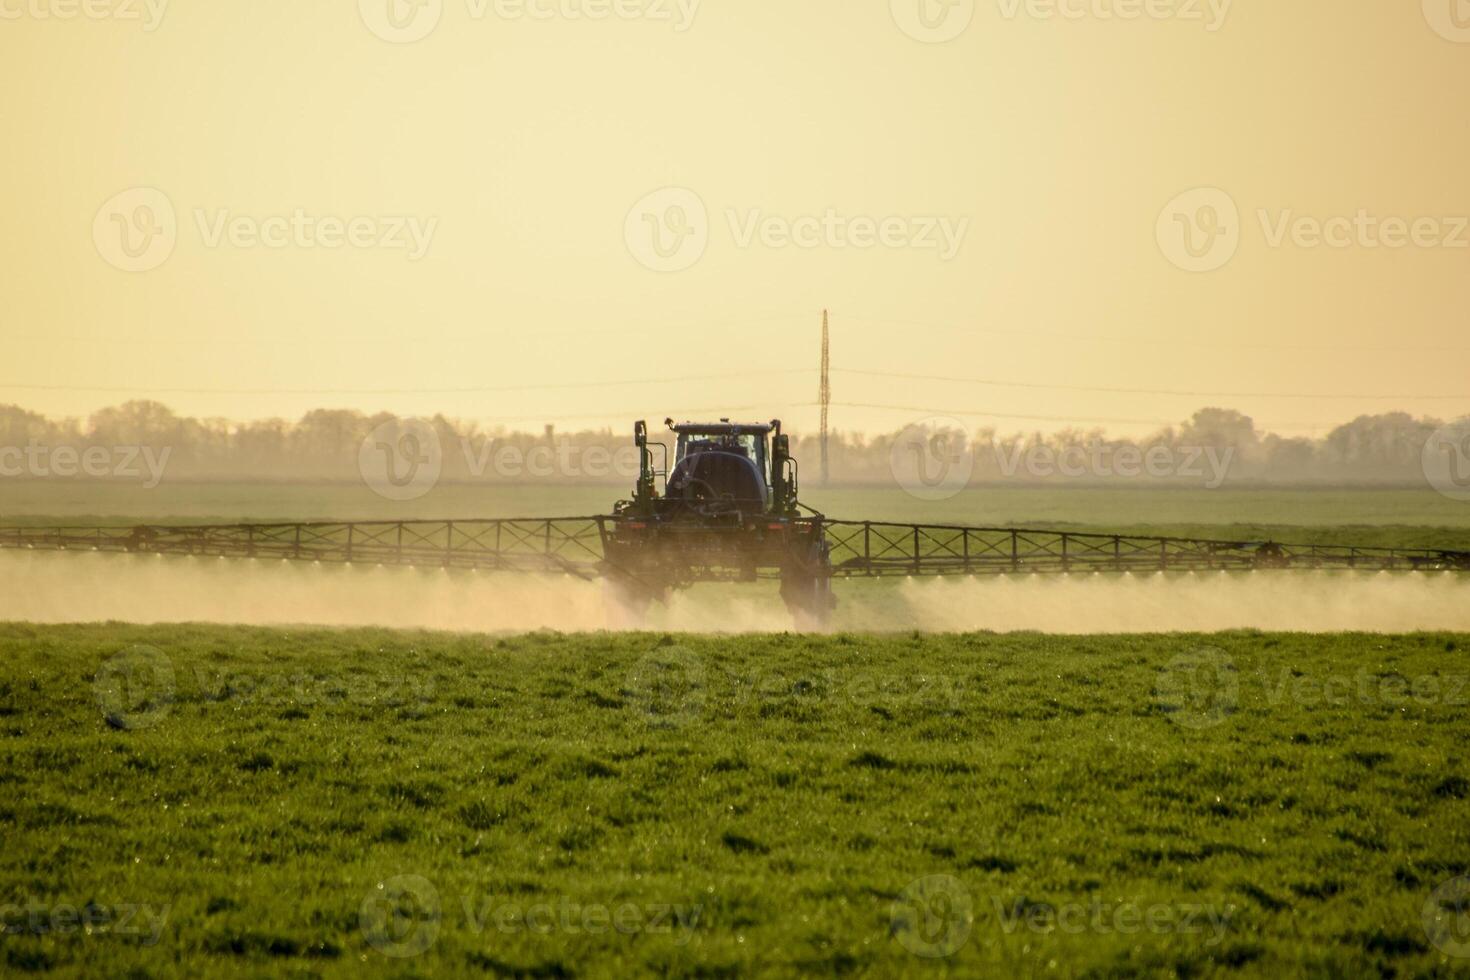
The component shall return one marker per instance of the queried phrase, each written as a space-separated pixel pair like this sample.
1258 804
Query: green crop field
200 800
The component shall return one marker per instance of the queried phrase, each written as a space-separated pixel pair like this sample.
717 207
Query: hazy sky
530 195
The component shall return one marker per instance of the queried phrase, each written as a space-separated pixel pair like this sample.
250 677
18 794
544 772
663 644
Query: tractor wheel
806 586
627 601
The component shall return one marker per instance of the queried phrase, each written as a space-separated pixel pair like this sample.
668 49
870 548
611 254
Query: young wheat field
208 800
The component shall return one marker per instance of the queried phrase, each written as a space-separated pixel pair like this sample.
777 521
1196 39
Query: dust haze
57 588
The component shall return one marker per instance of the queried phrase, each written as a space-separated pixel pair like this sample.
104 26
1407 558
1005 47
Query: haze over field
51 588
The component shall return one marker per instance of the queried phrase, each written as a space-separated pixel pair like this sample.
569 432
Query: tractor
725 508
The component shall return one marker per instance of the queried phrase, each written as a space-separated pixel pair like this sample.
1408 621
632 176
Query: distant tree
136 423
1287 455
327 435
19 427
1393 441
1222 427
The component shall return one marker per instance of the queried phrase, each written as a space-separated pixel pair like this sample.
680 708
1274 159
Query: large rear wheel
806 587
628 599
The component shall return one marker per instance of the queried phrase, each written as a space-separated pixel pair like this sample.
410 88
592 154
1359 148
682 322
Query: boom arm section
578 546
572 545
866 548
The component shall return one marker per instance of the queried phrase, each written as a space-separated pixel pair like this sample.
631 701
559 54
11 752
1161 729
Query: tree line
324 445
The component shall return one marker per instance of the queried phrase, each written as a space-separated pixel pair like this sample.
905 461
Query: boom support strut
857 548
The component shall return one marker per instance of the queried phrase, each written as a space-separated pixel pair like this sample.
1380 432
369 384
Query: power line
1160 342
298 340
972 413
588 385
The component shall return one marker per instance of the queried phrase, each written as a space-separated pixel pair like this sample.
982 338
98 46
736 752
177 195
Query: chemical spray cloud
75 587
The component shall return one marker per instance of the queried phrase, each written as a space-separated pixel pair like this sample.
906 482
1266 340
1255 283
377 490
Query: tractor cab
719 467
746 441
